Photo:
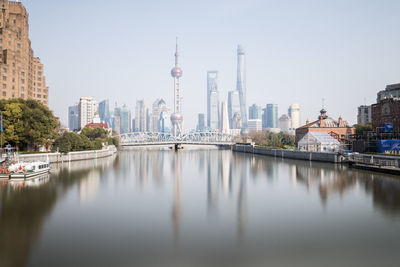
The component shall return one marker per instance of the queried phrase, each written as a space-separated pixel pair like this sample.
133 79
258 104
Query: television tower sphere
176 117
176 72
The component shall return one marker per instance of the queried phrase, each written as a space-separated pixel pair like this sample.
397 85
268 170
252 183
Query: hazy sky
297 51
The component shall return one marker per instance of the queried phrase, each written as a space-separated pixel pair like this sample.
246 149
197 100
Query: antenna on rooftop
323 103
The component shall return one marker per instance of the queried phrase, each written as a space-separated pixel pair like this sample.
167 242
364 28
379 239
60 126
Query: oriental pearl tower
176 117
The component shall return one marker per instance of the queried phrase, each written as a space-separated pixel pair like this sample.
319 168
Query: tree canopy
27 123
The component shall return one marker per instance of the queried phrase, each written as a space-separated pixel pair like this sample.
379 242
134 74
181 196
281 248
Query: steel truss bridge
195 138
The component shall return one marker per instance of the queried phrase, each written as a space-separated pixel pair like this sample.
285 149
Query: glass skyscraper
200 123
125 119
270 116
213 113
73 117
233 108
255 112
104 110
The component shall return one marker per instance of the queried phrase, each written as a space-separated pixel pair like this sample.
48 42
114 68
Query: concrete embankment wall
290 154
71 156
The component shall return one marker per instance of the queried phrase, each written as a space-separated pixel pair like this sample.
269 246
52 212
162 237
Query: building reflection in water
24 206
223 176
176 210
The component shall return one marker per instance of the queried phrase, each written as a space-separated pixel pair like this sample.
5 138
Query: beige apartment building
21 74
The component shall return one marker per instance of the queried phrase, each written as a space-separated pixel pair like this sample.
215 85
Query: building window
22 95
39 84
39 95
39 73
23 80
5 70
4 86
23 73
19 45
39 79
13 80
4 78
1 40
22 88
4 93
44 96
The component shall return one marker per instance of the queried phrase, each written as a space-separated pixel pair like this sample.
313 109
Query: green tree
27 124
361 128
94 132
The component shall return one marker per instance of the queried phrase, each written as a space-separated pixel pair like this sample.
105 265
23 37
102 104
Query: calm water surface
201 208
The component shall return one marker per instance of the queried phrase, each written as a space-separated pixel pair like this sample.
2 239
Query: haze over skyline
295 52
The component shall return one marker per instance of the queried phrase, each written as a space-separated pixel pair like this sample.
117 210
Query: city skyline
337 53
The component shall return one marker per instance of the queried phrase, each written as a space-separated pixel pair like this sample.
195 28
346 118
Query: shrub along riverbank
91 138
270 140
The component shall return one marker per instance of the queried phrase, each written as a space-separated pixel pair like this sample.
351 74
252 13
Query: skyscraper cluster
88 112
238 119
22 74
236 111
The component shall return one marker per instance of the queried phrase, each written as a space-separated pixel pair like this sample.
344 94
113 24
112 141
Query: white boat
24 170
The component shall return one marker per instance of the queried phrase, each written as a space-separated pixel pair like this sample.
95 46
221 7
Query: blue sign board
388 127
391 147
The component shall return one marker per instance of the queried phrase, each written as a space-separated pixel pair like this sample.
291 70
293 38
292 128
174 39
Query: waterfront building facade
233 108
294 115
73 117
364 114
386 111
255 112
87 109
22 74
241 84
338 129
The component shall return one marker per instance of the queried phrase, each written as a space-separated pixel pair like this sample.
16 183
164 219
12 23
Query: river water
201 208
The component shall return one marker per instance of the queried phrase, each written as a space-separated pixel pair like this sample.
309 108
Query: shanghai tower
241 84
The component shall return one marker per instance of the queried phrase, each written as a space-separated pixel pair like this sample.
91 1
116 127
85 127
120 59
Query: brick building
21 74
339 129
386 111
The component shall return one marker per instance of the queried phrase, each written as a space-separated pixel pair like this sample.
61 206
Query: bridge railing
137 138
